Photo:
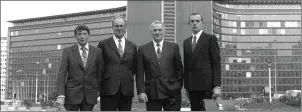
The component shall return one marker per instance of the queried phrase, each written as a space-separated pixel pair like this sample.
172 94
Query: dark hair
195 13
81 27
116 17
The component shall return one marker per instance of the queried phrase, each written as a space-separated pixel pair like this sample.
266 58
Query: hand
61 100
142 97
216 92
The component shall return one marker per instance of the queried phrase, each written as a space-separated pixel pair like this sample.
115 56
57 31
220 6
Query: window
273 24
234 24
234 30
291 24
262 24
256 24
280 31
243 31
263 31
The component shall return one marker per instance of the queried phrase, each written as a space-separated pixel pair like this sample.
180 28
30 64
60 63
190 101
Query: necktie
120 48
158 51
84 56
194 42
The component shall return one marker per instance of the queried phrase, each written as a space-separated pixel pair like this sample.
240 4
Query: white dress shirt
122 42
161 46
81 51
197 36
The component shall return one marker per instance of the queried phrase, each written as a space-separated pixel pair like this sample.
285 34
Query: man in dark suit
120 56
159 75
202 69
80 73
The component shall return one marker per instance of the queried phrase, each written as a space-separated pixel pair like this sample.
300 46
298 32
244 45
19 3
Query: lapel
91 56
127 47
201 40
165 49
153 54
189 45
77 55
112 44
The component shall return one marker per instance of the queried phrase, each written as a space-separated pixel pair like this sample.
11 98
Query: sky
14 10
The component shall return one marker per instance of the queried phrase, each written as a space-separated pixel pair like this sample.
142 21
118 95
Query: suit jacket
118 72
202 68
76 81
159 80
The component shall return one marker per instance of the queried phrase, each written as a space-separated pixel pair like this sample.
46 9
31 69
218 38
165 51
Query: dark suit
202 68
162 82
82 83
118 88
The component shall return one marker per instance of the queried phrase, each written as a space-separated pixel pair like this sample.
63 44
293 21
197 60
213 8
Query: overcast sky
14 10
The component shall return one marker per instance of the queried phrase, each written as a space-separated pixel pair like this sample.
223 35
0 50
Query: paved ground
276 106
251 107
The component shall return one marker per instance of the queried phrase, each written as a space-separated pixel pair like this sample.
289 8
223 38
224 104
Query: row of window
260 81
235 31
25 74
61 28
31 66
57 41
275 39
262 6
259 59
261 66
104 15
48 47
26 55
256 89
62 34
259 52
245 17
43 61
51 75
257 24
234 74
31 83
29 93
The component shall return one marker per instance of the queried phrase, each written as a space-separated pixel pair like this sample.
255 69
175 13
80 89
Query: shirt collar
197 34
160 43
86 46
115 38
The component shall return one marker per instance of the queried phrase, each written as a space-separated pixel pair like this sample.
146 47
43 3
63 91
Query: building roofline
260 1
69 15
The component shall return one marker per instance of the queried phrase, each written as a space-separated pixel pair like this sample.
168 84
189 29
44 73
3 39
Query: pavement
275 106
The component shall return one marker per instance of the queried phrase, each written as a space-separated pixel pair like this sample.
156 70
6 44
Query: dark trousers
84 106
168 104
116 102
196 98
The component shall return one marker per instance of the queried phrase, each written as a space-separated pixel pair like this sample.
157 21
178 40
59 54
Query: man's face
157 31
196 23
119 27
82 37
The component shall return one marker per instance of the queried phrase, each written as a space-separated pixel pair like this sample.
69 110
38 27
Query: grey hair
116 17
156 22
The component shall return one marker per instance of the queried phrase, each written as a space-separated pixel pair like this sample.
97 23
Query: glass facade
249 40
38 45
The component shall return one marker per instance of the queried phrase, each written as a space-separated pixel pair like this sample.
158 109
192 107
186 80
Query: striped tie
158 51
84 56
120 48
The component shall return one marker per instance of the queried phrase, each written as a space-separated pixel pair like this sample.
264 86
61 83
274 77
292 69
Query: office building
35 46
3 66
